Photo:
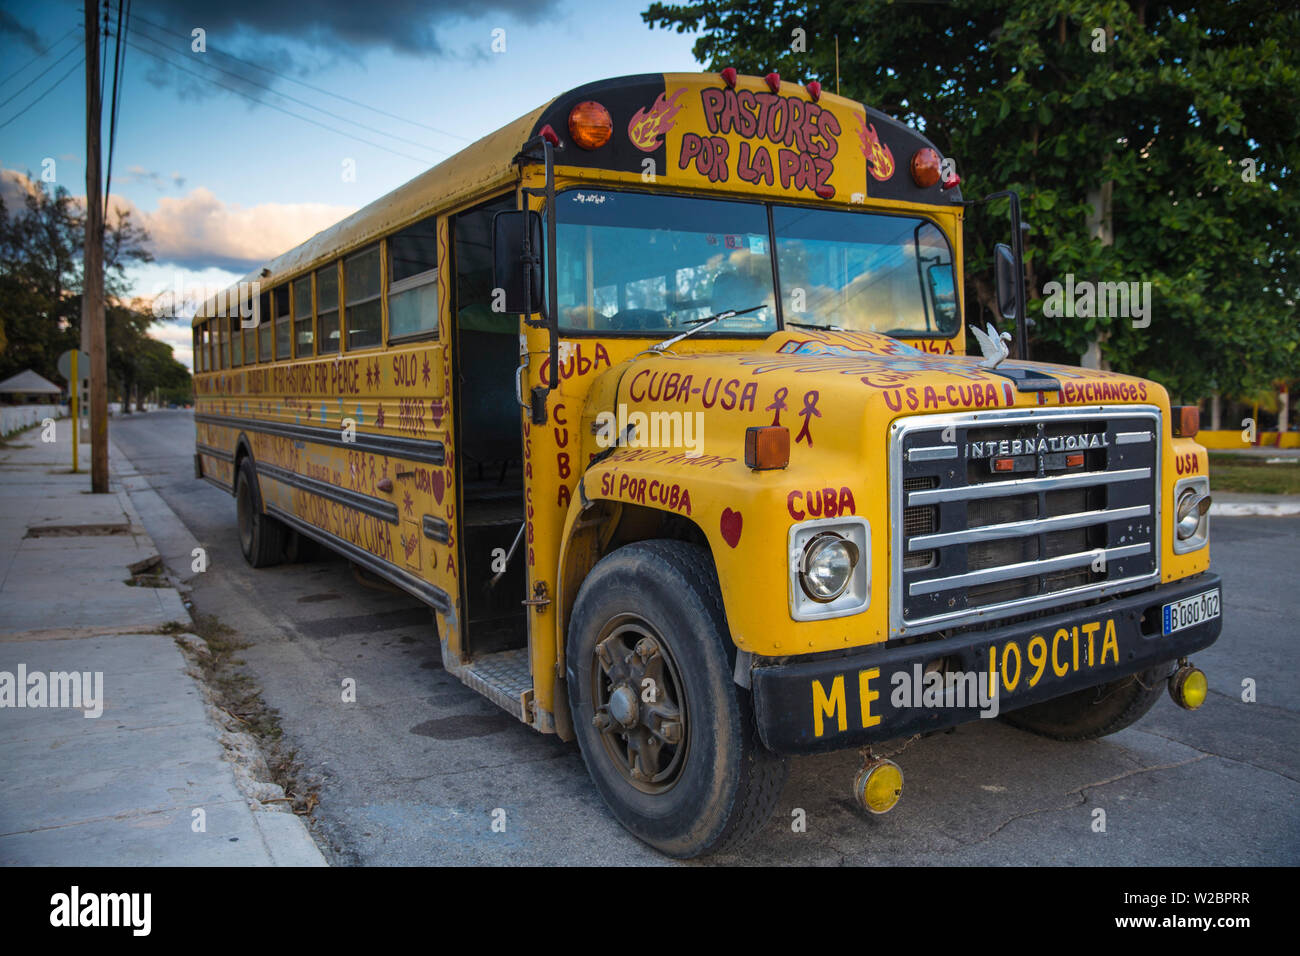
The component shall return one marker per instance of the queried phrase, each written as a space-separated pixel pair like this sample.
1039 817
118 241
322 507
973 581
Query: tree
40 309
1171 108
137 363
40 294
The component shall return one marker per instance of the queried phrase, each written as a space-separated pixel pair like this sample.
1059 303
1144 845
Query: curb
1245 509
286 837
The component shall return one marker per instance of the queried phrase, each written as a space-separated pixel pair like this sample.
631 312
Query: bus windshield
864 272
634 262
645 263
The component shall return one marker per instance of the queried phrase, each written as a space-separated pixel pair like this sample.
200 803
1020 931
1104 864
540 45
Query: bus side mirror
517 262
1004 266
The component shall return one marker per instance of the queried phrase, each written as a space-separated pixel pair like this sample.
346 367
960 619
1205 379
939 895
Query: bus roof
691 130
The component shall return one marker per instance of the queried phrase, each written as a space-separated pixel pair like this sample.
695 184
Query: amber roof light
925 167
590 125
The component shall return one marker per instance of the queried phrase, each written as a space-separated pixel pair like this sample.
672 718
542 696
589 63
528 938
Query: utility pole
92 297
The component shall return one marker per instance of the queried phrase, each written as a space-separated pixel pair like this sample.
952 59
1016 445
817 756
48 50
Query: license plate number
1191 611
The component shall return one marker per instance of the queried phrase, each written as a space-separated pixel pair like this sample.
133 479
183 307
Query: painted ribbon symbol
809 410
778 404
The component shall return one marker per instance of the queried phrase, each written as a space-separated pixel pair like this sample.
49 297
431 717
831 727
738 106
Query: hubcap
640 705
622 706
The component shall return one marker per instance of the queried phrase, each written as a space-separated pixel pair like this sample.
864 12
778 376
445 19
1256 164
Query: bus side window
264 327
218 344
327 309
412 280
236 340
283 329
302 317
363 315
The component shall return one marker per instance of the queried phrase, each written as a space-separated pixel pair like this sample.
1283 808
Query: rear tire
1096 711
261 537
657 610
298 548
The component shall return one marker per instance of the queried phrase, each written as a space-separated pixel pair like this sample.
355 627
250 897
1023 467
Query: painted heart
438 485
730 526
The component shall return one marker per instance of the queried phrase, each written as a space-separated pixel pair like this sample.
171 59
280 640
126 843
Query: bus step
482 514
503 678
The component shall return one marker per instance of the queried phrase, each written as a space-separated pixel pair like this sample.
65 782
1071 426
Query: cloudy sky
232 155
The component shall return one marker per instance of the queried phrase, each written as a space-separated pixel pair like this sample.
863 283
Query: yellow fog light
1188 687
878 785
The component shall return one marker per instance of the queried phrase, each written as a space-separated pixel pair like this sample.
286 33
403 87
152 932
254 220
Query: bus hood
818 383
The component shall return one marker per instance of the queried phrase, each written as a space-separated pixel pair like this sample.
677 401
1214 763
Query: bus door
490 470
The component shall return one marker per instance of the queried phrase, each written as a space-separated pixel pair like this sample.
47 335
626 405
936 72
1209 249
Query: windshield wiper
701 324
819 328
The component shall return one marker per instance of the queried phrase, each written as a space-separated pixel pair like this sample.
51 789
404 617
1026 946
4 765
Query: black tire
717 785
1094 712
261 537
298 548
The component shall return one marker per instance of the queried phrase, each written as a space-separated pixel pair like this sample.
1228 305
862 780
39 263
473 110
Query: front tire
1096 711
667 736
261 537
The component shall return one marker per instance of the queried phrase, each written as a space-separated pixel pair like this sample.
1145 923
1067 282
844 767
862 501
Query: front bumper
824 704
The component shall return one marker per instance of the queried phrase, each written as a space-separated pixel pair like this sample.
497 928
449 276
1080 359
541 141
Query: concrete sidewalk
1235 504
155 779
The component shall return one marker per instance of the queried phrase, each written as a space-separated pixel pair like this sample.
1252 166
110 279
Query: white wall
15 417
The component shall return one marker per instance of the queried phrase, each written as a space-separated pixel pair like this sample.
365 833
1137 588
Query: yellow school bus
658 397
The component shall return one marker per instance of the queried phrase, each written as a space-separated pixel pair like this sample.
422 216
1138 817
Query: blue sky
222 179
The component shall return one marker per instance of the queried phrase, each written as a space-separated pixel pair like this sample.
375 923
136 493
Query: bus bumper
879 693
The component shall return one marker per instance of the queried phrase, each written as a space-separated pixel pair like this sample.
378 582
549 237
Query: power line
294 99
103 50
119 69
253 99
291 79
75 67
44 52
38 76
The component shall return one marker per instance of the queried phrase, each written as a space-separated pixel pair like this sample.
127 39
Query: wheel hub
622 705
639 710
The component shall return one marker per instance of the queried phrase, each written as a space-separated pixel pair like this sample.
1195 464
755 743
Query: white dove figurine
993 344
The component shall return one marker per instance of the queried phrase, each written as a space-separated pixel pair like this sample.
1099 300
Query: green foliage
40 311
40 296
1016 93
1252 474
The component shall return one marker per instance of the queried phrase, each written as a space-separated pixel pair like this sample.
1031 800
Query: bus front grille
1020 510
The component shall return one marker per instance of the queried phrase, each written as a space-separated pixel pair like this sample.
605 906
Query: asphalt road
413 771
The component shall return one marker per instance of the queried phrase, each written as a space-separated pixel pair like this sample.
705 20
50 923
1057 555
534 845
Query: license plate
1191 611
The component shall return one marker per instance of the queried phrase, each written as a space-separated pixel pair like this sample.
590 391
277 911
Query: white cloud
200 231
14 188
177 335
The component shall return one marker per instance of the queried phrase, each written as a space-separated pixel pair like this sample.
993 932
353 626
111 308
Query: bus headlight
829 568
1191 514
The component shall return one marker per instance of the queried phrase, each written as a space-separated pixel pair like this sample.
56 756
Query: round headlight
1191 509
827 566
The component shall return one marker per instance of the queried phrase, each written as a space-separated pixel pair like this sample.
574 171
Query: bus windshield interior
643 263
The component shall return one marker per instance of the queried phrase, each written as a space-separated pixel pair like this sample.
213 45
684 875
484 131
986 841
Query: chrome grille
1075 515
918 521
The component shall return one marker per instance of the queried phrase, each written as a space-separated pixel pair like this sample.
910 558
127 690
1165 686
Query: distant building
28 388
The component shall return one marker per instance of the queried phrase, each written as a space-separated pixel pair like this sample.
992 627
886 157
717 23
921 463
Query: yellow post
76 419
